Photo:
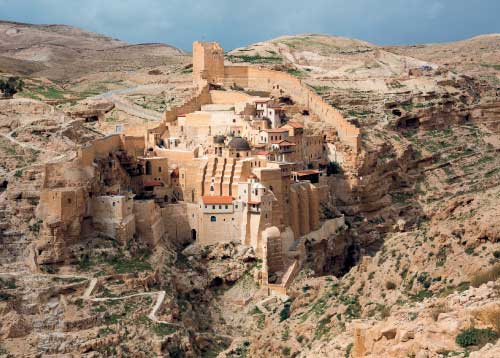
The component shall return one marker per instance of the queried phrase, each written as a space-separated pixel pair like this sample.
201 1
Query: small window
213 219
206 206
227 207
220 206
213 207
236 206
159 169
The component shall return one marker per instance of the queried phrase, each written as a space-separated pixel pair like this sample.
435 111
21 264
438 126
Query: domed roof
219 139
238 143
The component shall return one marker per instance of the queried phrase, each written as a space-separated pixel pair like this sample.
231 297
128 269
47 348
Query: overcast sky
236 23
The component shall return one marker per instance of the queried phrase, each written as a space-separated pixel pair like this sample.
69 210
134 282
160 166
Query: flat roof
276 130
307 172
212 200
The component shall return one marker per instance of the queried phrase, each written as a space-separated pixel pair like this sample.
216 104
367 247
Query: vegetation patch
476 337
254 59
322 327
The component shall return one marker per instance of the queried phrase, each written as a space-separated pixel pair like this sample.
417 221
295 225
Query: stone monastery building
225 166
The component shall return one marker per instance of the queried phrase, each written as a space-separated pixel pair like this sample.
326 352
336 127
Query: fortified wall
281 83
208 66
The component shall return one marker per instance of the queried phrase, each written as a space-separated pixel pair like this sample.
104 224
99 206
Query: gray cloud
236 23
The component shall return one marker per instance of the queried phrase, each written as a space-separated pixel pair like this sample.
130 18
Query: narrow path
131 108
152 315
159 301
89 289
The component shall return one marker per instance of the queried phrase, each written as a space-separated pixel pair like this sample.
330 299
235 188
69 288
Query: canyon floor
414 272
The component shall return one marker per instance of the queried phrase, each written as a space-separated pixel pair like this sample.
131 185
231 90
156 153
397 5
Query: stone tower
208 62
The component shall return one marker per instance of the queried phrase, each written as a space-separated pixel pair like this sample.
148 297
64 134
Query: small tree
11 86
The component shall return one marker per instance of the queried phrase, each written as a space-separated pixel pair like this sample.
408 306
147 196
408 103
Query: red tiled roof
212 200
152 183
251 202
275 106
284 143
263 152
295 125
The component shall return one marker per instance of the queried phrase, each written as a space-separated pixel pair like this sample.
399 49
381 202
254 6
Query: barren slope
64 52
478 56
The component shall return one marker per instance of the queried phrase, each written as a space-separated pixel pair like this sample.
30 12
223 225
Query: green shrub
11 86
163 329
390 285
285 312
348 350
476 337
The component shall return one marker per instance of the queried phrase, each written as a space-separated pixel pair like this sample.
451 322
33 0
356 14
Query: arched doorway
193 235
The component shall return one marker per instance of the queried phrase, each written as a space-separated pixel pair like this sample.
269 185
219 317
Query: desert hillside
478 56
63 53
413 271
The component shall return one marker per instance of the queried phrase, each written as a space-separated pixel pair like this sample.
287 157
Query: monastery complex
227 165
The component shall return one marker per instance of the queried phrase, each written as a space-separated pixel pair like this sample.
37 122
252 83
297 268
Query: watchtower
208 63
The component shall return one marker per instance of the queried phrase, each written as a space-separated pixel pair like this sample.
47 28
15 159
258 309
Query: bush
285 312
485 276
390 285
476 337
11 86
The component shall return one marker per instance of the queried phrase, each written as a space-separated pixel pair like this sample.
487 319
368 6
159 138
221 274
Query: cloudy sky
236 23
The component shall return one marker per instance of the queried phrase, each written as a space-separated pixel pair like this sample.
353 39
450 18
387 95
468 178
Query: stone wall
281 83
99 148
191 105
148 222
113 216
